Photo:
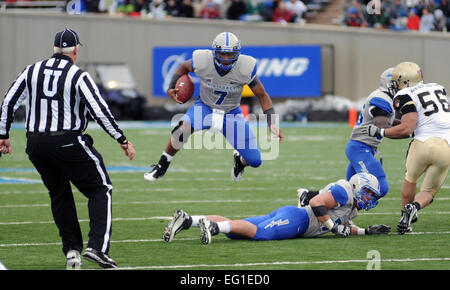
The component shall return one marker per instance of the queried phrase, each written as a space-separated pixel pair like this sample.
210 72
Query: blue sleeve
382 104
339 194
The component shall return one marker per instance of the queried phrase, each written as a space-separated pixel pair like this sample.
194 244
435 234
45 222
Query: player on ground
223 72
331 210
360 150
426 117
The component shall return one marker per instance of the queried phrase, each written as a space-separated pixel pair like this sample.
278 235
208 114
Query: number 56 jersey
222 92
431 103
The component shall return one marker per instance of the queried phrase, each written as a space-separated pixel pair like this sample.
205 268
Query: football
185 87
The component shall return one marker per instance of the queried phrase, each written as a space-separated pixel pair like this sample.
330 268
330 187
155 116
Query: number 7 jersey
222 92
431 103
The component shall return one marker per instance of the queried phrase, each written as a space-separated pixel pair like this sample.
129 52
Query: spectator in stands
411 3
440 20
398 9
281 14
254 10
382 20
92 6
157 9
413 20
426 21
269 8
431 6
236 9
297 8
419 7
445 7
353 17
186 9
171 8
210 10
401 21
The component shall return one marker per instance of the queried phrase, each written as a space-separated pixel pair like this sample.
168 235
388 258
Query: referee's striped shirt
58 96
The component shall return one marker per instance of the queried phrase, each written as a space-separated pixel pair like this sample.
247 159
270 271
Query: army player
223 72
331 210
426 117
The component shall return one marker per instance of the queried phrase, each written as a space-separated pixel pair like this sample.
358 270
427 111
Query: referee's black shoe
102 259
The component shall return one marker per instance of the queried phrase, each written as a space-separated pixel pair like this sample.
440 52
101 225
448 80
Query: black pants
71 158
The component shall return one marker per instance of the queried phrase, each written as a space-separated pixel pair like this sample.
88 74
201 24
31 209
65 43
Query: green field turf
199 182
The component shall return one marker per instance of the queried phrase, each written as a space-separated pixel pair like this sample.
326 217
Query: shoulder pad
247 66
200 58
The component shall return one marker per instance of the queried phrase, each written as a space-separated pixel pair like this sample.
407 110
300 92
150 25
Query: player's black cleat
238 168
180 221
408 215
102 259
158 170
208 229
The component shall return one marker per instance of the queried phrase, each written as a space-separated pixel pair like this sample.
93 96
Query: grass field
199 182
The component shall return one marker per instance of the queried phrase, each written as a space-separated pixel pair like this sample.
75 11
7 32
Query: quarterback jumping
223 72
426 118
331 210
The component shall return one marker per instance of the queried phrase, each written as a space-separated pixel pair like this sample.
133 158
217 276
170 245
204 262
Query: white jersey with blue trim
222 92
379 99
341 214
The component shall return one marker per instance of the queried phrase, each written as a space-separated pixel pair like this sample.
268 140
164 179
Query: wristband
382 132
174 80
269 113
329 224
361 232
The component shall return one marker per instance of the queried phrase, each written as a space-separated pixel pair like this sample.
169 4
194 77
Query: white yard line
406 260
161 241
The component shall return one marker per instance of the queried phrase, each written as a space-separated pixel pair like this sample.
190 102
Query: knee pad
180 135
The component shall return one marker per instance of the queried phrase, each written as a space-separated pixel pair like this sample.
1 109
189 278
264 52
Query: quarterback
426 118
223 72
331 210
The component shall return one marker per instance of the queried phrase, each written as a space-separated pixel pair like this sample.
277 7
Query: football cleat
404 225
102 259
158 170
179 222
73 260
302 194
238 168
208 229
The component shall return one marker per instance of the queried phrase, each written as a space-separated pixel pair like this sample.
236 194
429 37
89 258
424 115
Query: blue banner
290 71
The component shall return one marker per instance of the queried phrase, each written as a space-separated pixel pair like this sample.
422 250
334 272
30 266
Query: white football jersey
344 212
432 107
379 99
222 92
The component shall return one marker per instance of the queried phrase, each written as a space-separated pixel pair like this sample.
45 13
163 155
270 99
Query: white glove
341 230
372 131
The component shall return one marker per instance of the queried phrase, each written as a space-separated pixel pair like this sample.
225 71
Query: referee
58 96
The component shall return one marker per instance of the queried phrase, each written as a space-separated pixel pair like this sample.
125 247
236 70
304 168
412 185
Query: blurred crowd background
419 15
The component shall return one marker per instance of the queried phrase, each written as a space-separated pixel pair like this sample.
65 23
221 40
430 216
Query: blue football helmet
366 190
226 49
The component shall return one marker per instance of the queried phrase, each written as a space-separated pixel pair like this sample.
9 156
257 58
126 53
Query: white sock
195 219
224 227
169 157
